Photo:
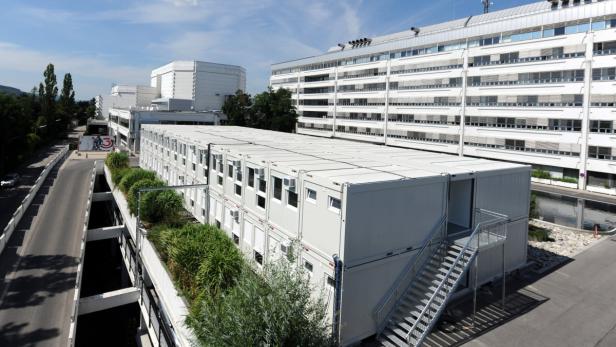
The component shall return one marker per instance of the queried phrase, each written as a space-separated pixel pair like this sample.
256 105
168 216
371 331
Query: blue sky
108 41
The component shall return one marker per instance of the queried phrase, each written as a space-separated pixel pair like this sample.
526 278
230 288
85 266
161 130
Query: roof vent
360 42
415 30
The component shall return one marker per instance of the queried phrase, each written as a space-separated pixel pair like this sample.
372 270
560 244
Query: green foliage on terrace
117 160
231 305
133 176
156 207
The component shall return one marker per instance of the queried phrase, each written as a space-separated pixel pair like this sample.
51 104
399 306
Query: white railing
73 327
390 301
21 209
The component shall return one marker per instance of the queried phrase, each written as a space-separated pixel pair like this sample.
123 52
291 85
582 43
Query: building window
331 282
220 180
236 239
292 198
251 177
261 201
230 170
277 183
334 204
194 167
311 195
238 190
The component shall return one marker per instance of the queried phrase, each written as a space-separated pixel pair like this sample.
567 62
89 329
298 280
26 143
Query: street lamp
139 231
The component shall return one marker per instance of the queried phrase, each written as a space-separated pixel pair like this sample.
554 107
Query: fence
21 210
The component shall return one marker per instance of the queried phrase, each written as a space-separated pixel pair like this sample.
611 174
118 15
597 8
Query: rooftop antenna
486 5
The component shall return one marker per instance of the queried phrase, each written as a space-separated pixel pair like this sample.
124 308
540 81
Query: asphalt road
39 264
10 198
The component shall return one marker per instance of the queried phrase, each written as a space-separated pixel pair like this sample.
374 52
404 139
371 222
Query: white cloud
31 63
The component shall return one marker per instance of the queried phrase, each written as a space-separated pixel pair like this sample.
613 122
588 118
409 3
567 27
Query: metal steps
427 296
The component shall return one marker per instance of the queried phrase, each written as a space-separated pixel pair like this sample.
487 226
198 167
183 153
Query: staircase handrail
498 218
390 301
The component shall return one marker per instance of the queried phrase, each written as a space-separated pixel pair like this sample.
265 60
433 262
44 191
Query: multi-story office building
181 92
379 230
531 84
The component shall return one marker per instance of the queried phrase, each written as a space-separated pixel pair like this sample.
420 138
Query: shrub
539 234
538 173
132 196
277 310
133 176
116 160
568 179
164 206
202 258
116 175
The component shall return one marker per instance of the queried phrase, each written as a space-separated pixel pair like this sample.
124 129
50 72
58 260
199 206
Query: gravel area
567 244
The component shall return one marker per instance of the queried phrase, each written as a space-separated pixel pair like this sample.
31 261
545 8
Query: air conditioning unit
235 214
289 183
260 173
236 163
217 157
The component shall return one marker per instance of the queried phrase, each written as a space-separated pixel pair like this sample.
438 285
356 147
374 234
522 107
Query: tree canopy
30 120
272 110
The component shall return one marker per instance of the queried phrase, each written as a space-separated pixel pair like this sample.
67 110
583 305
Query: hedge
133 176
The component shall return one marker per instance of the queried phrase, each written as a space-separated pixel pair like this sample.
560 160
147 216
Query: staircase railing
488 221
392 298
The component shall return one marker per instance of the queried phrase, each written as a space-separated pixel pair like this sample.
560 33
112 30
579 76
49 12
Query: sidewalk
576 193
578 309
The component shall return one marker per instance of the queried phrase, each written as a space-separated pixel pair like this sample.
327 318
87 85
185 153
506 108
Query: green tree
237 108
67 101
48 92
273 110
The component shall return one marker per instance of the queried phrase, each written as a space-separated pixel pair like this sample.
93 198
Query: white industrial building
389 234
201 85
125 124
531 84
181 92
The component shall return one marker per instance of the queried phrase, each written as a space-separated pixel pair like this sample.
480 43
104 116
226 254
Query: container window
261 201
308 266
251 177
334 204
311 195
277 182
292 199
238 190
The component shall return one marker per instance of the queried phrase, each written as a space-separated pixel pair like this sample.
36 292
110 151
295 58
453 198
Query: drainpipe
207 181
337 298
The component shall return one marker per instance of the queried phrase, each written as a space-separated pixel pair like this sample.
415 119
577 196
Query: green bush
116 160
164 206
116 175
133 176
276 310
539 234
132 195
538 173
200 257
568 179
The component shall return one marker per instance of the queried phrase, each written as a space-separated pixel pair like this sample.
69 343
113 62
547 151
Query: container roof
340 161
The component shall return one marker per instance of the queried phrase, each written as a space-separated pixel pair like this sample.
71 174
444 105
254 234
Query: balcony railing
363 75
527 82
524 104
427 86
524 149
529 59
425 69
610 51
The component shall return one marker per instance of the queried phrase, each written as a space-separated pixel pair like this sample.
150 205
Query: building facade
125 124
353 215
196 85
532 84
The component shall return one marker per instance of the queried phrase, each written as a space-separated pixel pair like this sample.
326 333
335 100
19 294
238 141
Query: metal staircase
441 265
